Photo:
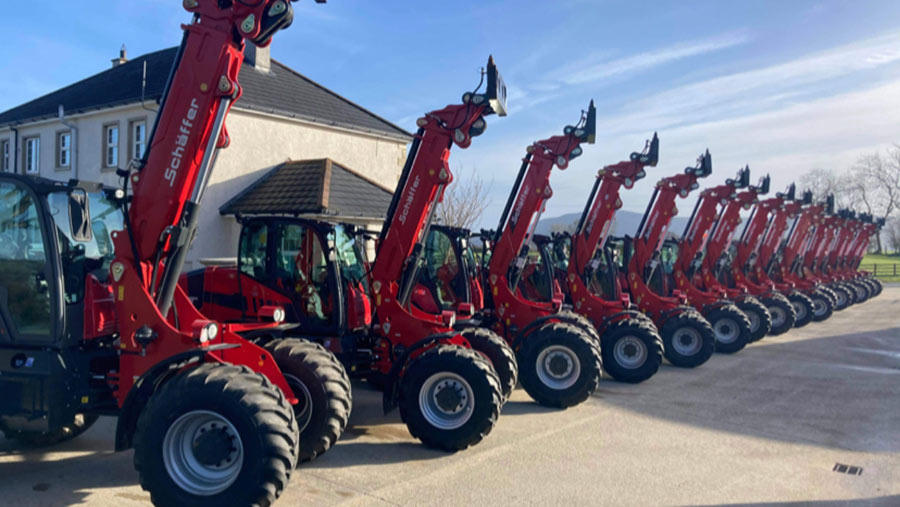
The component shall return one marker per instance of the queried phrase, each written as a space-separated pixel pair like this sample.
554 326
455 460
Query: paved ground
767 425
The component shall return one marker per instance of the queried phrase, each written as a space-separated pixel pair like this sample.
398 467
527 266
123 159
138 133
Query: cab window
301 270
442 268
252 250
24 287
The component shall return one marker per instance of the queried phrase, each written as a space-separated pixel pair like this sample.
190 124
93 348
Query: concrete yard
767 425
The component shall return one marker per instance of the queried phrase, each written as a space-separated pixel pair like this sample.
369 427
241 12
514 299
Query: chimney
122 57
258 57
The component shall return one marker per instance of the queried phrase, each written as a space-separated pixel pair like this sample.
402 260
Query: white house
88 129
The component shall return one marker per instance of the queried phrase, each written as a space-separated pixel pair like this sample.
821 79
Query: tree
822 182
464 200
892 234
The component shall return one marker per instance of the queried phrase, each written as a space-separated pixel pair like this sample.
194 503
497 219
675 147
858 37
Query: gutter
74 142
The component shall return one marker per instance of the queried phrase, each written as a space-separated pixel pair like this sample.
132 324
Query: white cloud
591 71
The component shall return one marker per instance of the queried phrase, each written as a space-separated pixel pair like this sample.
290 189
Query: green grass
884 262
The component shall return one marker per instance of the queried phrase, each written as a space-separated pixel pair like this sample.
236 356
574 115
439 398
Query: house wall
258 143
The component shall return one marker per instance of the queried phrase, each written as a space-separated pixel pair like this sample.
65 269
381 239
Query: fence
881 269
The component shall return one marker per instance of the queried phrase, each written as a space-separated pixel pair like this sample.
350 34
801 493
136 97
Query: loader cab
55 251
315 270
450 278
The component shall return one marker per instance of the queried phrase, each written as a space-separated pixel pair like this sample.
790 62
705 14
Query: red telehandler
688 338
631 347
721 251
784 267
721 309
93 322
844 262
848 226
445 382
757 245
558 351
824 237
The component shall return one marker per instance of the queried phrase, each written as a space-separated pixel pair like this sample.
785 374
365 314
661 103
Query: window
111 146
138 136
32 155
252 254
4 156
64 149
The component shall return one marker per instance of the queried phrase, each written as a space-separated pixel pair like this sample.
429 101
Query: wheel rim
841 297
303 410
203 453
727 330
558 367
447 400
818 307
799 309
630 352
754 320
778 316
687 341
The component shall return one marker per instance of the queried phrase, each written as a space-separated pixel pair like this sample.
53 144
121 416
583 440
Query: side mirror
80 216
496 88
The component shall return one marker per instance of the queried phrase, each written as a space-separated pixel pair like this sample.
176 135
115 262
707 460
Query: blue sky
782 86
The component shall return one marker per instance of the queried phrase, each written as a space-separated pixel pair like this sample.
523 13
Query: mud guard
147 384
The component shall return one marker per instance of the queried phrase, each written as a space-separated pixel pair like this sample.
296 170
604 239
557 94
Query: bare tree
822 183
464 200
892 234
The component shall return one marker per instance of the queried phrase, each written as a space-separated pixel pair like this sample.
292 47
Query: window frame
132 123
104 157
5 155
59 150
26 152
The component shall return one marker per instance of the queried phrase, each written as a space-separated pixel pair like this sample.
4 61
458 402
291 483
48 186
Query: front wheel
499 353
861 290
731 328
559 365
631 350
320 383
843 296
688 339
782 313
803 308
450 397
759 317
823 305
216 434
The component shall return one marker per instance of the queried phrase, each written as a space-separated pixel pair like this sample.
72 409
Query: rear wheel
759 317
631 350
321 385
560 365
803 308
823 305
80 423
216 434
876 283
843 297
863 291
688 339
450 397
782 313
499 353
731 328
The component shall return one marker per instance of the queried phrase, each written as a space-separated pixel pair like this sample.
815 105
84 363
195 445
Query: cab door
28 280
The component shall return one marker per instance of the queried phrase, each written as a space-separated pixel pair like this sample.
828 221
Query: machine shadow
828 391
860 502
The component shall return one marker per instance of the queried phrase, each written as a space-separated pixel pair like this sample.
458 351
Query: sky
782 86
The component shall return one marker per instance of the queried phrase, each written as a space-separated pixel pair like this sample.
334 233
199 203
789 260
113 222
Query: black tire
573 354
862 290
322 385
580 321
484 398
758 315
730 327
877 284
80 423
259 415
697 329
844 297
499 353
781 312
631 350
803 308
828 293
823 306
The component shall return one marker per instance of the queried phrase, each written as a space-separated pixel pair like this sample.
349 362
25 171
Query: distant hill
627 222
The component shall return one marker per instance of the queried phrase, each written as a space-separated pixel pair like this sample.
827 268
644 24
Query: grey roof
316 187
282 91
